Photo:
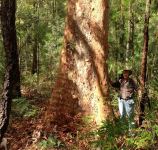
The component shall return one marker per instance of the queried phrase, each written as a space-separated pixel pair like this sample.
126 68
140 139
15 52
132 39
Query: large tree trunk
83 61
12 75
8 9
144 96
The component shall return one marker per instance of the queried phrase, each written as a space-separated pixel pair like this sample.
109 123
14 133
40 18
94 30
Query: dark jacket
126 87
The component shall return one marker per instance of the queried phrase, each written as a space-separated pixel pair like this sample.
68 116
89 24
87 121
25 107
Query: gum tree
83 67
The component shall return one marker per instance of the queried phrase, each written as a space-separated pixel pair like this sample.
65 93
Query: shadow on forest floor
28 124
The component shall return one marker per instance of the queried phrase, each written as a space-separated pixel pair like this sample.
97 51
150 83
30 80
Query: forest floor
30 132
21 129
25 133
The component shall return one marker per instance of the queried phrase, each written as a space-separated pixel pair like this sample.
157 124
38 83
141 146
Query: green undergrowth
110 136
21 107
50 143
39 84
144 138
115 136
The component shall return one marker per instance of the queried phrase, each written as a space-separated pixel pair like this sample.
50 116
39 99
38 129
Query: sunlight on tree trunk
83 59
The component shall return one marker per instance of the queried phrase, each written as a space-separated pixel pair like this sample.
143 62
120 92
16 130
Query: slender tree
12 74
130 38
144 96
121 31
83 61
122 26
35 66
35 58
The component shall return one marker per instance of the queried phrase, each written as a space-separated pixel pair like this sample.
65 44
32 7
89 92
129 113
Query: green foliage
51 142
41 21
30 80
108 134
22 108
144 139
38 85
116 136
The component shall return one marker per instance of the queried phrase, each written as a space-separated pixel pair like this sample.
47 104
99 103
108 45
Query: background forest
40 39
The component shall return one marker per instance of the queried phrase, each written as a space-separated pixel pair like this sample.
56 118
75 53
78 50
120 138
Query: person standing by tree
127 88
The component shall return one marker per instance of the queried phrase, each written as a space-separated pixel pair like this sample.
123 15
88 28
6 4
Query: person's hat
127 70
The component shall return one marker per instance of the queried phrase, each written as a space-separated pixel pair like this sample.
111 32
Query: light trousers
126 109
